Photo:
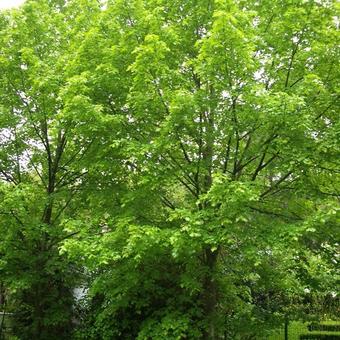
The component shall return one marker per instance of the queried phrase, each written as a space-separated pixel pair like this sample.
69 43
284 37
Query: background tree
40 162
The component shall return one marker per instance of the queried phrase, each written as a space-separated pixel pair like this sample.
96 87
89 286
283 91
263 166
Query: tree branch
276 184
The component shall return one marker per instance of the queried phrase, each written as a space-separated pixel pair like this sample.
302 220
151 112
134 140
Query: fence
296 330
5 324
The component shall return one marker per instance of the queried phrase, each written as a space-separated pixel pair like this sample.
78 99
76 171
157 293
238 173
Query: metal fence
5 324
297 330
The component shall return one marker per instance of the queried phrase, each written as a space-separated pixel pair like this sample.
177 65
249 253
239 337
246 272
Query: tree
41 172
228 115
211 190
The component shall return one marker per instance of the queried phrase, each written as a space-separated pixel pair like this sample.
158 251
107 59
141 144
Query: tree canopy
179 160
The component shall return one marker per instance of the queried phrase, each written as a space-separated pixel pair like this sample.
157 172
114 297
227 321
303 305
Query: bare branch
276 184
167 203
226 159
272 213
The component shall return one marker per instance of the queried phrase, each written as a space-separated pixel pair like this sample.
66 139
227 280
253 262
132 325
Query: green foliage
179 160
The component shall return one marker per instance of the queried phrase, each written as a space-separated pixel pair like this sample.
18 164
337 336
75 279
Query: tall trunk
50 288
286 327
210 290
2 294
210 294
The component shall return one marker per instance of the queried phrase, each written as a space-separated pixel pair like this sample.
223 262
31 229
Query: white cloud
4 4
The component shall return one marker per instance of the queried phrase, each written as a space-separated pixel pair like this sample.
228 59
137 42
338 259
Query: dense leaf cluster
178 159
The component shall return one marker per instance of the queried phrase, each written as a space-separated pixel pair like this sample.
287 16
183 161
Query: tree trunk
210 291
286 327
210 294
